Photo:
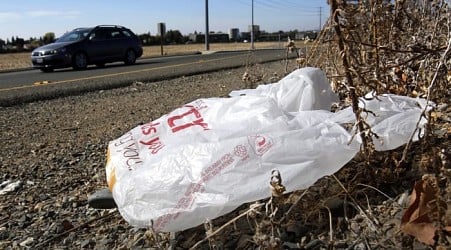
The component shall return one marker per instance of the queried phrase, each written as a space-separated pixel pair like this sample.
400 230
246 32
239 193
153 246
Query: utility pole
252 27
207 42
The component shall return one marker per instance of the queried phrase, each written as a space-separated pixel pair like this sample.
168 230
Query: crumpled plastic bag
393 119
303 89
211 155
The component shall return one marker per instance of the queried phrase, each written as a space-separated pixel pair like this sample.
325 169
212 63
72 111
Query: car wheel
47 70
130 57
80 61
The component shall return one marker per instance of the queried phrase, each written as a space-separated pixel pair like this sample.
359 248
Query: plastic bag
208 157
303 89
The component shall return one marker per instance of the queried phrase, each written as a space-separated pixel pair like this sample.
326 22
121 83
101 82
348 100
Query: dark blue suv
84 46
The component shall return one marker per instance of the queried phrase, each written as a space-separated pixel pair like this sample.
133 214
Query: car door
118 43
97 47
107 44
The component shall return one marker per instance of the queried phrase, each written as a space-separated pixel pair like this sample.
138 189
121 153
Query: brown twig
349 79
428 100
251 209
362 212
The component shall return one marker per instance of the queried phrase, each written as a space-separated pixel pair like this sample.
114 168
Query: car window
100 34
73 36
127 33
116 34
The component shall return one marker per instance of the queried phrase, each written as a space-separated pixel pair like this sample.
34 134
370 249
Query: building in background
306 35
213 37
234 34
256 28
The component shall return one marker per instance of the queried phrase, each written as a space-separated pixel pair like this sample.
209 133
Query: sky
34 18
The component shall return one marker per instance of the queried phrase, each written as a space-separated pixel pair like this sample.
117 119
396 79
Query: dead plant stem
346 66
253 207
428 100
354 200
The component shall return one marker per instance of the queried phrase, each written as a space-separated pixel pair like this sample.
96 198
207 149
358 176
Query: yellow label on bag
110 172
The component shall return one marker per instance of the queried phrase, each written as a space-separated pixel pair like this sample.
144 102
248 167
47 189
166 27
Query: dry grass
22 60
397 47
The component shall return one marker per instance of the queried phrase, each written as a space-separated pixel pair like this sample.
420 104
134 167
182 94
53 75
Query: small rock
4 235
67 225
26 242
38 207
360 246
314 244
86 244
8 187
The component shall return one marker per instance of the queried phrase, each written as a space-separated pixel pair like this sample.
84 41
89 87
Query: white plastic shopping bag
303 89
209 156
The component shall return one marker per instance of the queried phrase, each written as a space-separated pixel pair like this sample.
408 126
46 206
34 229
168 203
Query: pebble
27 242
8 187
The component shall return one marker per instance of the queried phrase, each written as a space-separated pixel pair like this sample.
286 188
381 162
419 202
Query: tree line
17 44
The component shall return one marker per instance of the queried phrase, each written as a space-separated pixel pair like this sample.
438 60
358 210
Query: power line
280 6
287 4
284 8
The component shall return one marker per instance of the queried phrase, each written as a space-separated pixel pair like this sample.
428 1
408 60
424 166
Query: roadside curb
208 52
15 70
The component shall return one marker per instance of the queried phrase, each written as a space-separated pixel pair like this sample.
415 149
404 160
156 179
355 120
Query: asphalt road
32 85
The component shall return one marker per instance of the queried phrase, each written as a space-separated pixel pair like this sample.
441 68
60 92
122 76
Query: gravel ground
54 151
53 154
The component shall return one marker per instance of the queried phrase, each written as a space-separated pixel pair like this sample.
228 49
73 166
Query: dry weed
399 47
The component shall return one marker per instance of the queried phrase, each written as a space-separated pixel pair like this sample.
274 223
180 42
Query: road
32 85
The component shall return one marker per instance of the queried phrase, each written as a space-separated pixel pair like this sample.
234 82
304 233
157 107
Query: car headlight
56 51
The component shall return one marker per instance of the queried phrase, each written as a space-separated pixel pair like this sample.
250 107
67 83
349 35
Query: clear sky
34 18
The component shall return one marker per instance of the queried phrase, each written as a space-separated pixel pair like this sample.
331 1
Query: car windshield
74 35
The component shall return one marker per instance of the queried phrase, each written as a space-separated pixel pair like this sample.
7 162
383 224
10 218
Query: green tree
49 37
2 44
145 38
174 36
35 43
